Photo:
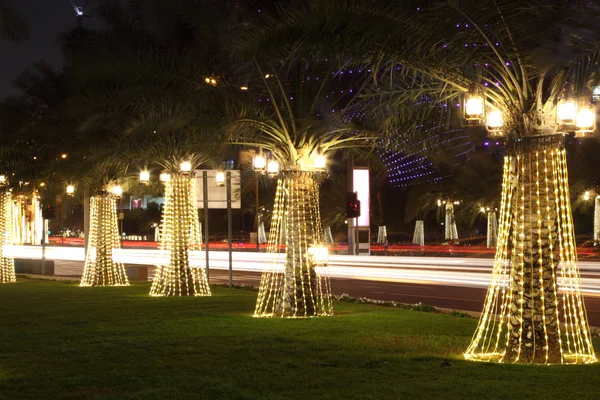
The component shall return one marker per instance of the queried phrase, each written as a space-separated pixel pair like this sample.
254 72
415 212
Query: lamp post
224 179
261 165
70 191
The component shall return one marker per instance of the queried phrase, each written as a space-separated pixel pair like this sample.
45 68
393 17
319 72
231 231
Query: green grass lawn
59 341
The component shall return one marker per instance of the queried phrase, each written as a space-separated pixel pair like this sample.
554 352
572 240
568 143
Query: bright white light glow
145 176
259 162
70 189
474 106
273 168
117 191
320 161
220 178
586 196
585 118
566 112
495 119
320 254
164 177
185 166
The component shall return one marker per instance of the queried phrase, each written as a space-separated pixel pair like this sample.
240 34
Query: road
464 297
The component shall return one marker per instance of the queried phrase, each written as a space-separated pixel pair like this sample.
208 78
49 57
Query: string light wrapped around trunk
419 234
534 310
303 288
100 269
180 233
450 231
7 264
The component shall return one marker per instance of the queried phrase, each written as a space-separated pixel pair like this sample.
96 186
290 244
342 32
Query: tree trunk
303 290
419 234
300 287
7 264
534 310
100 269
450 231
180 233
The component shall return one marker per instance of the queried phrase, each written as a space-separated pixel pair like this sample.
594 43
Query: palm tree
12 25
519 57
289 128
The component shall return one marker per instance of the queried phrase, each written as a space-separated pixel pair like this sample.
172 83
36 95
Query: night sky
46 19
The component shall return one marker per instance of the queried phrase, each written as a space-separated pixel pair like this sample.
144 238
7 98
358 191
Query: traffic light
49 212
352 205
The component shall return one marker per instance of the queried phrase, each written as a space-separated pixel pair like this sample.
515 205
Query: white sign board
361 186
217 195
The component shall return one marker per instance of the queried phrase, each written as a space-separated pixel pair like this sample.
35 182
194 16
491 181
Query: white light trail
463 272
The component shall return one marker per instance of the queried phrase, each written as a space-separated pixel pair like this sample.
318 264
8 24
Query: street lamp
566 111
70 190
164 177
273 168
185 167
259 162
117 191
224 179
261 166
474 108
494 123
3 180
586 195
145 177
220 178
585 121
319 161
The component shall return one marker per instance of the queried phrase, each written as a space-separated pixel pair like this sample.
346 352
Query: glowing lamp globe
220 178
164 177
474 106
319 254
566 112
259 162
320 162
474 109
586 196
273 168
2 179
145 177
185 166
70 190
585 120
117 191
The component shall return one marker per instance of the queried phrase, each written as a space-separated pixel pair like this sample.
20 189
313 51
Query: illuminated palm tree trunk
450 231
534 309
100 269
419 234
180 234
303 289
7 264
